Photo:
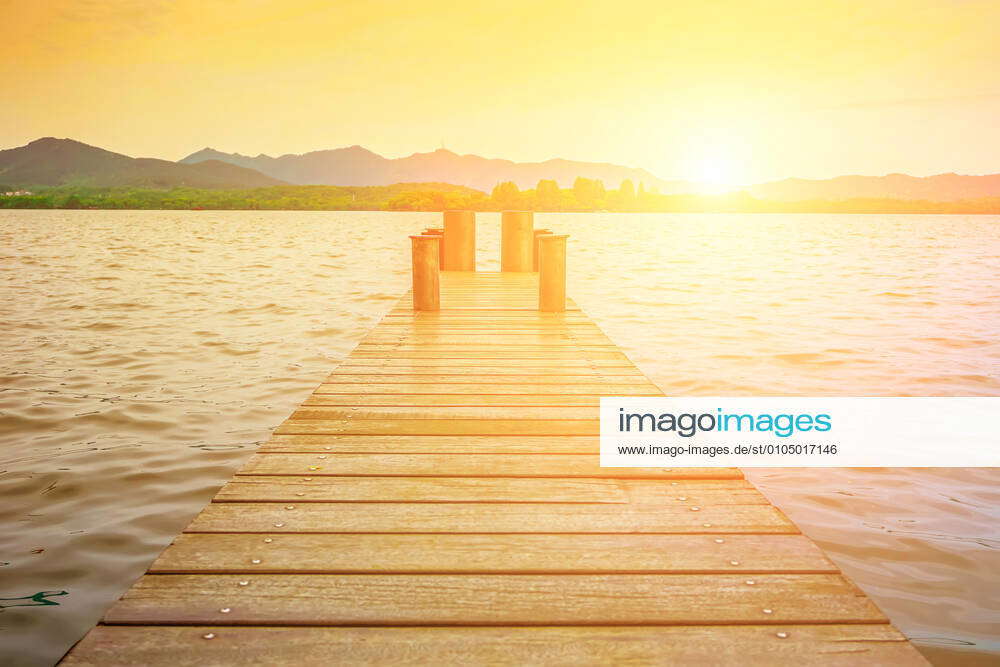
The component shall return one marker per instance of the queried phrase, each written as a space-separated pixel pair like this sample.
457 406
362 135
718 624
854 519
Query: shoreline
432 197
497 210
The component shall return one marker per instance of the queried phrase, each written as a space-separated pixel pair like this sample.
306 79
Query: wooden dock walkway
438 500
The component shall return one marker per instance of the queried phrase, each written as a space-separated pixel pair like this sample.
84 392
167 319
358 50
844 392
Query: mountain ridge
938 187
357 165
50 161
53 161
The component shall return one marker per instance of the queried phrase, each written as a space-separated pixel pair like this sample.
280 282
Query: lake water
146 353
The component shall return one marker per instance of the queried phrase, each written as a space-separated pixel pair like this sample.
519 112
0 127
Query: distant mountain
359 166
943 187
51 161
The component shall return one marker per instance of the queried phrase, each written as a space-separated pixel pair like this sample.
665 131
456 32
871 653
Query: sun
716 171
715 175
716 162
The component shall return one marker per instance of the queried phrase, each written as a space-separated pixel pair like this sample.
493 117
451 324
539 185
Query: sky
720 92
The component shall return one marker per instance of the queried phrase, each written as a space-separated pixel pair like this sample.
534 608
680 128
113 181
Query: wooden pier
438 500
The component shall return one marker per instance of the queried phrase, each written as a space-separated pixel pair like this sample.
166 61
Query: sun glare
716 161
715 174
718 168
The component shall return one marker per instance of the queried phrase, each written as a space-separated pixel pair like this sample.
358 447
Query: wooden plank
577 350
388 400
514 285
486 297
431 444
405 325
246 488
400 327
441 388
527 381
482 352
611 366
443 426
268 488
480 554
451 412
403 315
749 645
480 319
517 367
488 302
498 334
449 316
486 518
515 599
502 339
472 465
498 312
481 372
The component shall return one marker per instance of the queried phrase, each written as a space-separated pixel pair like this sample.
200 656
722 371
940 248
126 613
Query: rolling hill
51 162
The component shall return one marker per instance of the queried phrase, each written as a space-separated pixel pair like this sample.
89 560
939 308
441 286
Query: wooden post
426 272
552 273
459 241
438 232
534 248
515 240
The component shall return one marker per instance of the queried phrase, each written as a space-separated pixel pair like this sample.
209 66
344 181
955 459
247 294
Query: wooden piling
515 240
534 247
552 273
426 272
459 241
438 232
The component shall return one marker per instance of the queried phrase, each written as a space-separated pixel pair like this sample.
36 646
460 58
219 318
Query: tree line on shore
585 195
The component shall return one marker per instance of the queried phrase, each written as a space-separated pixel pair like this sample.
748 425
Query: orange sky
729 91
